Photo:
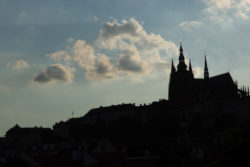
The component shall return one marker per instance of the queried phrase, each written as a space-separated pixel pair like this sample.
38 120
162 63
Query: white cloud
95 18
55 72
220 4
83 54
60 55
242 15
226 10
132 51
19 64
197 72
113 34
189 25
96 66
122 35
80 52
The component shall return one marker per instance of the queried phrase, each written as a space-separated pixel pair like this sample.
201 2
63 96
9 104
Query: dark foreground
156 135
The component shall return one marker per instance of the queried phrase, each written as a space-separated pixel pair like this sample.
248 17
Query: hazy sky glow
59 57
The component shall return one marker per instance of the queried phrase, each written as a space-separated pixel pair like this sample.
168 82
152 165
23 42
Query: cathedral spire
181 50
182 67
206 73
181 57
190 68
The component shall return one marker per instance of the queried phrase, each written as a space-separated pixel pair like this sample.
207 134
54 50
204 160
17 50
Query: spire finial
190 65
181 57
181 66
206 73
190 68
181 49
206 63
173 67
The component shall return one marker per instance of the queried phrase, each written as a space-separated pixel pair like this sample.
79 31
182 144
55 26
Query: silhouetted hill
211 132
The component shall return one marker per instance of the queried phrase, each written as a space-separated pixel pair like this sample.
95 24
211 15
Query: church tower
180 79
185 89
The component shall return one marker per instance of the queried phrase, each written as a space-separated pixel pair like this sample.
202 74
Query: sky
60 58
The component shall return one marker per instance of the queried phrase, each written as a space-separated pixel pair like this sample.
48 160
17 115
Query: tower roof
181 66
181 49
206 73
181 56
205 68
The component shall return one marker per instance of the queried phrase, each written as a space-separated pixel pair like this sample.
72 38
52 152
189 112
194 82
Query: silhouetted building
185 89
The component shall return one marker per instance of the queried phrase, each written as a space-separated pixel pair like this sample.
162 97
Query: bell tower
180 80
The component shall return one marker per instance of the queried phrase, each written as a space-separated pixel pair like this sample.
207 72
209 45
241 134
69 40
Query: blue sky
59 57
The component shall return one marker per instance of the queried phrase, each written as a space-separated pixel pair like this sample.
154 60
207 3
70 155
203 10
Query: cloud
102 69
95 18
23 17
96 66
55 72
80 52
227 10
188 25
130 61
220 4
4 88
122 49
113 33
59 55
83 54
19 64
122 35
197 71
141 51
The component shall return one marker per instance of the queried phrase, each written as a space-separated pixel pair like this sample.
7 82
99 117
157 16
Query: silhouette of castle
185 89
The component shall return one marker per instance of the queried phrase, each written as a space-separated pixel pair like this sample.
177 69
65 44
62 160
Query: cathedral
185 89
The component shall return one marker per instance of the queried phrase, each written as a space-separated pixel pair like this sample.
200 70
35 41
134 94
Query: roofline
227 73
